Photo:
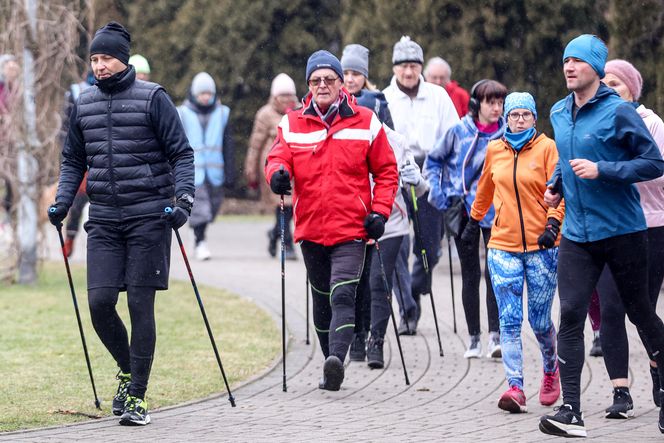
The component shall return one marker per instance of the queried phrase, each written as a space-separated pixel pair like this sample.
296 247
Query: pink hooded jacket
652 192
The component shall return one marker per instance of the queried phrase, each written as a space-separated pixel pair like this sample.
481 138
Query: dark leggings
334 272
137 357
380 307
471 273
613 334
363 296
579 269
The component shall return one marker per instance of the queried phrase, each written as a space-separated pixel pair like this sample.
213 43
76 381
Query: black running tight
137 357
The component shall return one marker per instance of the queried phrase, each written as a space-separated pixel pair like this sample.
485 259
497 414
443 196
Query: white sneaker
494 346
202 252
474 348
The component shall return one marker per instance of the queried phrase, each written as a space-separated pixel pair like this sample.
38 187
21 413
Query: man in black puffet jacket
127 135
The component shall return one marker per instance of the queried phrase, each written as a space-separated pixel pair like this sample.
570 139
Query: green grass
44 373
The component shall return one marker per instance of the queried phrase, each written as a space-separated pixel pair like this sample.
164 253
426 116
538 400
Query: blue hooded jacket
608 131
460 152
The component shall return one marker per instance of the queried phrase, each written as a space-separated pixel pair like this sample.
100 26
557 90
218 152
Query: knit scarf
519 139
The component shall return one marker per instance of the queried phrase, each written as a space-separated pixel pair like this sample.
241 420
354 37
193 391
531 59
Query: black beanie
112 39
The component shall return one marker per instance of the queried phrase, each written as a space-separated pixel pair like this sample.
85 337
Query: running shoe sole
512 406
129 422
333 372
553 427
620 414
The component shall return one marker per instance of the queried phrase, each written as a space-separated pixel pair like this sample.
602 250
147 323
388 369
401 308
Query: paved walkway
449 398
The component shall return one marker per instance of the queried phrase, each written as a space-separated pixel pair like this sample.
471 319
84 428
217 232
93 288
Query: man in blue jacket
604 148
127 135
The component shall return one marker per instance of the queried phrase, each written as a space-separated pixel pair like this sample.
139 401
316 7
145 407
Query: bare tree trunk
28 192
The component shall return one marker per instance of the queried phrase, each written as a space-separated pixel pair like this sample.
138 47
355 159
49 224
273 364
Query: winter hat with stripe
112 39
321 60
356 58
589 48
629 75
407 51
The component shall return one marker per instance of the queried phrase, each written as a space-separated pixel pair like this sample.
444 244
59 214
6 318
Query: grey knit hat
356 58
407 51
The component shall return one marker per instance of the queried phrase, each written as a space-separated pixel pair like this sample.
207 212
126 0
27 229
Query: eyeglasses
329 81
515 116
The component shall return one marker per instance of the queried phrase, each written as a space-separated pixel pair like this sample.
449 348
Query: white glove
410 174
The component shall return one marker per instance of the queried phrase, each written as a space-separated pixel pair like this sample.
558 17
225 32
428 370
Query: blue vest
208 144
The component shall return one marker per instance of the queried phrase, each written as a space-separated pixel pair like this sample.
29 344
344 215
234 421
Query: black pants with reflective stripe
579 269
334 273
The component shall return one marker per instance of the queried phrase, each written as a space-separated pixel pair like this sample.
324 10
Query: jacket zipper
111 170
518 203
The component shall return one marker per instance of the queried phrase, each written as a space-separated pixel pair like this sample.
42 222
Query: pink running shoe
513 400
550 389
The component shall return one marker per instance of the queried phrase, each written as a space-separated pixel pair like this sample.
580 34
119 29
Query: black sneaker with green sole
121 395
136 412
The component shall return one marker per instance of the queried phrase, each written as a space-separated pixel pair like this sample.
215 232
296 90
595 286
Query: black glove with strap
179 214
57 213
374 224
471 231
548 238
280 182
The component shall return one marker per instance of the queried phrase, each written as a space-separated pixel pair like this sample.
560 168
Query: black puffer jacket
128 135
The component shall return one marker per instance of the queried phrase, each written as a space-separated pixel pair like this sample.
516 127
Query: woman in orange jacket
524 243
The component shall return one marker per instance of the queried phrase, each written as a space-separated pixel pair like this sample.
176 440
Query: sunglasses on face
329 81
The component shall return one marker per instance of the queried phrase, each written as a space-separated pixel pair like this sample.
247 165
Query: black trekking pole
388 294
307 307
282 222
205 319
449 255
400 292
425 262
78 314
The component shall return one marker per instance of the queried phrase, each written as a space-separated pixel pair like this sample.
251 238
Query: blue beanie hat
589 48
520 100
321 60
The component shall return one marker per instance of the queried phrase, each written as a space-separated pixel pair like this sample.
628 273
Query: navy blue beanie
323 59
112 39
589 48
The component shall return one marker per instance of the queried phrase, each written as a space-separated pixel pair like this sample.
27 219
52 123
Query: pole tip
98 404
232 400
442 354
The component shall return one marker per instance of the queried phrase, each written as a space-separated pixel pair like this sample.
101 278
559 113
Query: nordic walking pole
78 314
307 306
449 255
396 274
282 223
423 252
205 319
389 302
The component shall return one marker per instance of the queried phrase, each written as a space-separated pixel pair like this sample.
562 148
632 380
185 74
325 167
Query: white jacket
424 119
652 192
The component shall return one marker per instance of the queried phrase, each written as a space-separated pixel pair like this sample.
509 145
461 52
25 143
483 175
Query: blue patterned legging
508 271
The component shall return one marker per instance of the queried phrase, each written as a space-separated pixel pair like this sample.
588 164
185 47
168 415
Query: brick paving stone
449 398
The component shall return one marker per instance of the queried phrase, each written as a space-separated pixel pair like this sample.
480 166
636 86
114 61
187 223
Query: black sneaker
375 353
654 374
333 374
358 350
121 395
623 406
566 423
136 412
596 349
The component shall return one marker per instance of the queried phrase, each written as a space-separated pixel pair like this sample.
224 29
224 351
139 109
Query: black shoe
622 406
566 423
272 245
596 349
121 395
136 412
375 353
333 374
654 374
358 350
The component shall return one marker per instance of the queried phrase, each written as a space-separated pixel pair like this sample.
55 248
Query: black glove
57 213
471 231
374 224
178 215
550 234
280 182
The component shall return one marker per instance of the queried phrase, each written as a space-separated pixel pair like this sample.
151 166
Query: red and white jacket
330 169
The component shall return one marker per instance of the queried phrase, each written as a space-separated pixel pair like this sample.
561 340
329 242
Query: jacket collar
346 105
602 92
472 127
117 82
400 94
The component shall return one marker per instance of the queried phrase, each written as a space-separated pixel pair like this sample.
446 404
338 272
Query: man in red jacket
439 72
329 147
